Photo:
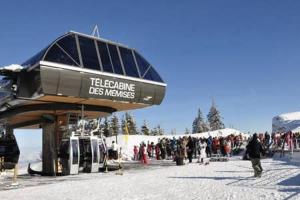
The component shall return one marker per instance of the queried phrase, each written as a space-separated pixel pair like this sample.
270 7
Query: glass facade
88 53
128 62
106 64
115 59
152 75
92 53
142 63
68 44
57 55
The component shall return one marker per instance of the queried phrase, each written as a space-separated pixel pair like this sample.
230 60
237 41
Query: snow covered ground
164 180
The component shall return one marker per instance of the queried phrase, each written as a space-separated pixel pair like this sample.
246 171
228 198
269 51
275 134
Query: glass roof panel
68 43
88 53
57 55
115 59
107 67
142 63
112 56
153 75
128 62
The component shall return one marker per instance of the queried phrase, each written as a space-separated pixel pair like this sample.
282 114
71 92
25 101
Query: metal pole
82 116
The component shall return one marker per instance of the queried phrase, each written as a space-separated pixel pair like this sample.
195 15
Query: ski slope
218 180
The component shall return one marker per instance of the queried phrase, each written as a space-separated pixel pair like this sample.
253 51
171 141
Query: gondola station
76 77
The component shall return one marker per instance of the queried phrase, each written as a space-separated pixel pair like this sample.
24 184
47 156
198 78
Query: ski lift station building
76 71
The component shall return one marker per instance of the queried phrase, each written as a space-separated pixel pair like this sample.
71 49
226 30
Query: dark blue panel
128 61
115 59
152 75
55 54
88 53
36 58
107 67
68 43
142 63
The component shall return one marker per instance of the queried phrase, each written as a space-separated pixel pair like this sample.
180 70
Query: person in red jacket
157 152
144 158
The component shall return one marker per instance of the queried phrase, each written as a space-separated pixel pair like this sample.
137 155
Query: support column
49 147
9 130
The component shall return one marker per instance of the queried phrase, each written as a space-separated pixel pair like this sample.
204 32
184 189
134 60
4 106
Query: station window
142 63
68 43
56 54
107 67
128 61
152 75
115 59
75 151
88 53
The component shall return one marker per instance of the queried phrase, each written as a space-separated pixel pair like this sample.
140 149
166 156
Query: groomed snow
218 180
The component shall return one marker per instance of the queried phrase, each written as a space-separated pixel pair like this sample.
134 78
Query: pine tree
154 131
123 126
160 131
199 125
214 118
145 129
106 128
128 124
187 131
114 125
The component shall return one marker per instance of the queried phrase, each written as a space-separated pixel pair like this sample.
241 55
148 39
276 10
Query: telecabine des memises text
98 82
112 88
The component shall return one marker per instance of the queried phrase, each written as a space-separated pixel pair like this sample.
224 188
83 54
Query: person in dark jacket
190 150
254 150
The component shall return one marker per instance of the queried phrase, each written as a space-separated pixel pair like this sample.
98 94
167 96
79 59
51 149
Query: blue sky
244 54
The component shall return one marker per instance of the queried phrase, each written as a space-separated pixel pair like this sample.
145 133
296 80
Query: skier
254 149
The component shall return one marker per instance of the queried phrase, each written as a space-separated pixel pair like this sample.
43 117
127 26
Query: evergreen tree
154 131
114 125
160 131
214 118
199 125
144 129
129 125
187 131
105 128
123 126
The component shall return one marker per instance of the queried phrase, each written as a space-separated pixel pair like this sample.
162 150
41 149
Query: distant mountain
286 122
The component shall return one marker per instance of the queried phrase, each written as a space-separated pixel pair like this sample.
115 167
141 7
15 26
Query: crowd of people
187 147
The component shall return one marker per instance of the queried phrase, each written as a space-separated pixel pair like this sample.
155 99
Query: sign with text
111 88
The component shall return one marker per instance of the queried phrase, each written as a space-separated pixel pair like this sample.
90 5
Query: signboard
95 86
111 88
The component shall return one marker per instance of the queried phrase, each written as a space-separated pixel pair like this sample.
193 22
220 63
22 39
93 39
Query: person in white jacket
202 157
